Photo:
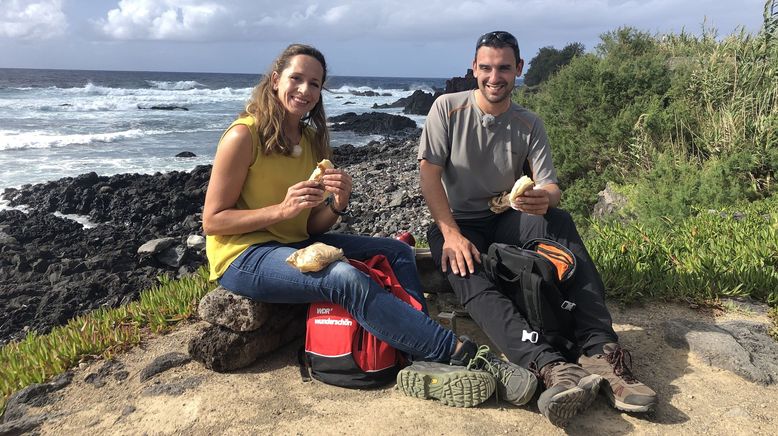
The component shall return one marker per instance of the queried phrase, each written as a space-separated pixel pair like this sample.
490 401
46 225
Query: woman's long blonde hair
266 108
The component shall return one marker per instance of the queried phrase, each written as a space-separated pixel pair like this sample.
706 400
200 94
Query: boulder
757 361
372 123
457 84
195 242
172 256
233 311
609 203
156 246
34 395
369 93
396 104
418 103
109 368
163 107
23 425
221 349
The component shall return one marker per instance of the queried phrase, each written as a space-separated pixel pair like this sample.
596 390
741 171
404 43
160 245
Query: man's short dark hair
499 39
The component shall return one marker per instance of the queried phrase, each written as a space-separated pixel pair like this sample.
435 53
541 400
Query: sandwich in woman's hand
318 173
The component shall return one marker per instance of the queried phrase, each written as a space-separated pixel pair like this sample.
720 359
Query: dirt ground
270 398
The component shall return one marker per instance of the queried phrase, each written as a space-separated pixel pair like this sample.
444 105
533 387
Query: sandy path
269 397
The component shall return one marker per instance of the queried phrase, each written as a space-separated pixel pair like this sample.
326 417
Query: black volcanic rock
418 103
52 269
164 107
398 103
371 123
457 84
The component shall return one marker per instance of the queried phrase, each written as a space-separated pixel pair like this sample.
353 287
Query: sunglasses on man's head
501 36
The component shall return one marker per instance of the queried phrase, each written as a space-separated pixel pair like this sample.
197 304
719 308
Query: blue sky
421 38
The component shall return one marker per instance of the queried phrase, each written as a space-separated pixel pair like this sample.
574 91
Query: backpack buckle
529 336
568 305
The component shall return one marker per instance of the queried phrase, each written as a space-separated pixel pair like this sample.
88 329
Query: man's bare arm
458 251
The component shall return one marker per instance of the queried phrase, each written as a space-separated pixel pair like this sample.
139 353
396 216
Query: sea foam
15 140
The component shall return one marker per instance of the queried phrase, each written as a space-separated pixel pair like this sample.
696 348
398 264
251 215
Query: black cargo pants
495 313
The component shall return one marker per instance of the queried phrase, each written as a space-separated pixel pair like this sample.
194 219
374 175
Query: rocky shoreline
52 268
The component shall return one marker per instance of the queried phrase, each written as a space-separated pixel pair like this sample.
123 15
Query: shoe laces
481 358
621 361
533 368
485 359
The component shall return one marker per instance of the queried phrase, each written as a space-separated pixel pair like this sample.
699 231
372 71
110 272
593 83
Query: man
473 147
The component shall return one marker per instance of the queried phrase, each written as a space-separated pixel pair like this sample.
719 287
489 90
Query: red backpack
338 351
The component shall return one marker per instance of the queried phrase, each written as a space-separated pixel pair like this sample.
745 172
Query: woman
260 207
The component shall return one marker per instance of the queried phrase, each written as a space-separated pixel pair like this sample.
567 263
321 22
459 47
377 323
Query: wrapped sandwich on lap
315 257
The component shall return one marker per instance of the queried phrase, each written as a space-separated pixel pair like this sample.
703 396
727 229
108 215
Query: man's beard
505 93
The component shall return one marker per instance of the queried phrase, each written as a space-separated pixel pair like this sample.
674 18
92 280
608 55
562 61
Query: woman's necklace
297 150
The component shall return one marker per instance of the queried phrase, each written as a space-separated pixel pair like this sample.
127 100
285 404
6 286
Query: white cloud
435 21
32 20
183 20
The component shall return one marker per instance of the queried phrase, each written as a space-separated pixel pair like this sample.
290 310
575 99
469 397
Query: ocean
62 123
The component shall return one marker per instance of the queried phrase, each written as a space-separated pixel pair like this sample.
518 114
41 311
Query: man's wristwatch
331 203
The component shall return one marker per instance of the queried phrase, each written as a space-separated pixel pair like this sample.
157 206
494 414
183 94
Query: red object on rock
406 237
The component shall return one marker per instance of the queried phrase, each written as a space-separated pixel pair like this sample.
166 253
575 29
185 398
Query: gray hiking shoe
569 389
451 385
515 384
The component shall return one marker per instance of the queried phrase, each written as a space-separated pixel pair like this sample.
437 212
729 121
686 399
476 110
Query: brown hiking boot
569 389
623 390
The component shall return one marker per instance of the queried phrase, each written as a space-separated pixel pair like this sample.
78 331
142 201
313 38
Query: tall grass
726 100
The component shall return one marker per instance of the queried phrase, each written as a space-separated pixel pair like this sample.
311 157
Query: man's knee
559 217
472 287
485 300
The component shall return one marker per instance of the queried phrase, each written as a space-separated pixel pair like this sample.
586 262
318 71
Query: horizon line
207 72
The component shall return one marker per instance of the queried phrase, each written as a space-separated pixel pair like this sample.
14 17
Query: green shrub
697 113
673 188
590 109
549 60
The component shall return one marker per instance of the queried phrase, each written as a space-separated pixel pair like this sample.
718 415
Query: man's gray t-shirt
481 162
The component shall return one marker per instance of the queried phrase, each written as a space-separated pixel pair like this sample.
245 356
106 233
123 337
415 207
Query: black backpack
534 277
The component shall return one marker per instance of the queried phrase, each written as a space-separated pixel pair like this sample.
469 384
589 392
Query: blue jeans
261 273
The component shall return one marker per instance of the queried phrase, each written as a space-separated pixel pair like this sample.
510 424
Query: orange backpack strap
560 256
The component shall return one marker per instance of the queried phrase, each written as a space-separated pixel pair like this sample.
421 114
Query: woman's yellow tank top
267 181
